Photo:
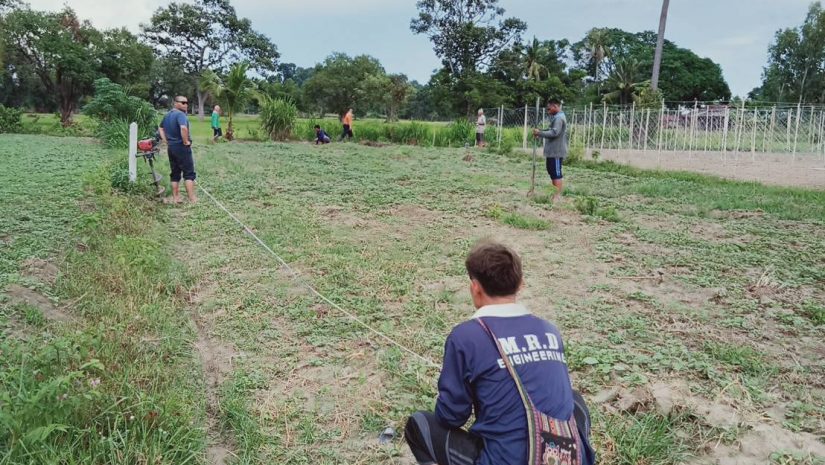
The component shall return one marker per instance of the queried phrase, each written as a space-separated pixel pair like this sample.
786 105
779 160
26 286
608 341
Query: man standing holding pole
174 131
555 145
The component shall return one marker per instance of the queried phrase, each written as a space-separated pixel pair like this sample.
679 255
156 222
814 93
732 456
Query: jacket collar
502 310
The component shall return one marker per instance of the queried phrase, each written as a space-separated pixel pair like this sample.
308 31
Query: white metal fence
685 128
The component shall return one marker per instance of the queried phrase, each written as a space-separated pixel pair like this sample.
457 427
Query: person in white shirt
481 126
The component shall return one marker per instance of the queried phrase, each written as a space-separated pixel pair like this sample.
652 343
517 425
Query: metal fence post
796 132
604 126
647 130
725 135
753 135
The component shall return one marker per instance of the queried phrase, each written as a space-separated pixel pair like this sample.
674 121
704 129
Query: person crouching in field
507 367
321 137
346 121
555 145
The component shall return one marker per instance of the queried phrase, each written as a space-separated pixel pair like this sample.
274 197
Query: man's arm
184 129
455 403
554 131
184 134
163 135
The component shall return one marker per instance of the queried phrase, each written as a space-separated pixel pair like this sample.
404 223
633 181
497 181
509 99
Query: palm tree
597 42
532 61
624 82
233 93
660 42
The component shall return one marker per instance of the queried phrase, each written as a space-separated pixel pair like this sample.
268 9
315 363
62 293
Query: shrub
114 110
575 154
589 206
505 148
10 120
278 118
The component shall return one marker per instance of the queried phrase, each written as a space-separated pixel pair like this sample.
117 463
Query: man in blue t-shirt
174 130
474 378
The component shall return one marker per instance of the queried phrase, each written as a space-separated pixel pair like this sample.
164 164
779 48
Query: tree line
50 60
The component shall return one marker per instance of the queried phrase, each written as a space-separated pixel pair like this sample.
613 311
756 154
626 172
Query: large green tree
127 61
342 82
624 83
467 36
208 35
58 48
684 76
796 62
536 70
167 78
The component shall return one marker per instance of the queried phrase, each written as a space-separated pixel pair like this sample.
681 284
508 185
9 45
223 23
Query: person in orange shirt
347 122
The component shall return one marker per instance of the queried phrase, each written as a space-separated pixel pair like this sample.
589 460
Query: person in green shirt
216 123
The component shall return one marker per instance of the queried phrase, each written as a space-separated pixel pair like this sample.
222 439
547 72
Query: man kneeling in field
507 366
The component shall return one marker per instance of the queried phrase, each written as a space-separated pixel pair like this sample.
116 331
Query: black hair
496 267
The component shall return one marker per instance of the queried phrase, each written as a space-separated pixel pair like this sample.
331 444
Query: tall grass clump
278 118
113 110
457 133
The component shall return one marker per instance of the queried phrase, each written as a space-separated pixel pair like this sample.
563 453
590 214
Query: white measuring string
309 286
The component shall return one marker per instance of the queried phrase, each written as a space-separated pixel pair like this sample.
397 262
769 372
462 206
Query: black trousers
433 443
347 132
181 163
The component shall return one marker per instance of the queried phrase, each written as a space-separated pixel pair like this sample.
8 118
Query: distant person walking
555 145
174 131
217 132
347 122
481 126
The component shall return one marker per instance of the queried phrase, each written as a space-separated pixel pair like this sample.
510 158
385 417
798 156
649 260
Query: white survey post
133 134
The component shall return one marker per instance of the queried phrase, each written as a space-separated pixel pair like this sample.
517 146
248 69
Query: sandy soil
775 169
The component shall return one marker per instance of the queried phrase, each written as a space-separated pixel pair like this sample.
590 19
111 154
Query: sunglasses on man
182 102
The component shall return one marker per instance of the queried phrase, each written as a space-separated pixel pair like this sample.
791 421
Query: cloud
106 15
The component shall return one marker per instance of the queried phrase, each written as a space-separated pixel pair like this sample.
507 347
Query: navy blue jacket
475 379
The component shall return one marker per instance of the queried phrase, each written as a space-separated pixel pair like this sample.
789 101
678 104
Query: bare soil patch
217 359
781 170
42 270
19 294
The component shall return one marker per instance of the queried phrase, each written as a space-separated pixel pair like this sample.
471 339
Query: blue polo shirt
171 124
474 378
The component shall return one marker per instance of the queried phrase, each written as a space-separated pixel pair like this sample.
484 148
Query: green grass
742 357
517 220
649 439
694 265
118 384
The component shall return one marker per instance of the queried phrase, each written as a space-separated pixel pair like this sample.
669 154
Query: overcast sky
734 33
